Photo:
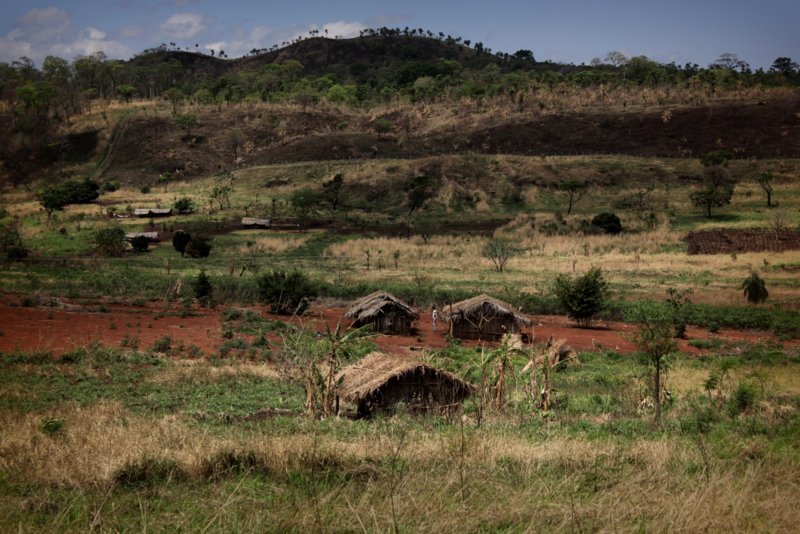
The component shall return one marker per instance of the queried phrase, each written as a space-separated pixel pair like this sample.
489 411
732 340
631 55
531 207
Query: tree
731 62
755 289
654 338
382 126
765 182
183 205
197 247
186 121
111 241
56 197
717 191
332 190
303 202
140 243
180 240
202 288
616 58
285 292
583 297
418 190
785 66
680 308
235 140
575 191
126 91
499 251
609 222
175 97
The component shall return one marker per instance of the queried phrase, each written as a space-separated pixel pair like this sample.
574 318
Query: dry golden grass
199 372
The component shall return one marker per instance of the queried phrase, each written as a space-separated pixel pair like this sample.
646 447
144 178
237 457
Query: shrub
608 222
202 288
145 189
111 241
198 248
180 240
583 297
140 243
184 205
162 344
16 252
110 187
743 398
285 292
755 289
680 308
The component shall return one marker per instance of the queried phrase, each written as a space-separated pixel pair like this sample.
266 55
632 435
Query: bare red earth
69 326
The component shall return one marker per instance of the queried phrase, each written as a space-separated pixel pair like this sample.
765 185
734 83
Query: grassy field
110 440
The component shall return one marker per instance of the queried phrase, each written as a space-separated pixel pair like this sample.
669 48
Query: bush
202 288
743 398
608 222
285 292
140 243
198 248
583 297
16 252
755 289
111 241
183 205
110 187
180 240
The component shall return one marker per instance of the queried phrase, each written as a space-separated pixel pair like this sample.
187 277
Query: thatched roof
362 379
484 305
375 303
263 222
152 212
152 237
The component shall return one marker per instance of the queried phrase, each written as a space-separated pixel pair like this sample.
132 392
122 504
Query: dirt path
68 326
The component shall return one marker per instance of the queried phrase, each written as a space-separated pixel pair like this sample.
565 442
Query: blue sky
573 31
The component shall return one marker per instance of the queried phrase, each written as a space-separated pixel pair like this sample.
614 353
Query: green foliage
499 251
716 157
303 202
744 397
609 222
140 243
184 205
654 339
110 186
198 247
717 190
583 297
755 289
186 121
680 309
56 197
285 292
202 288
382 126
180 240
111 241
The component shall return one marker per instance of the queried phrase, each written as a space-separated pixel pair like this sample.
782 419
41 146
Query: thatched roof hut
380 381
152 237
256 222
152 212
385 312
484 317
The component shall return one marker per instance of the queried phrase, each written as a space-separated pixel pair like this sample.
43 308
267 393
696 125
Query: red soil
66 327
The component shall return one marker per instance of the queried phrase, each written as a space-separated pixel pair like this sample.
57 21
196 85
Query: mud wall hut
484 317
386 313
379 382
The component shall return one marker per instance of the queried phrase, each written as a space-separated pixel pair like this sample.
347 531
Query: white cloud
343 29
184 25
95 34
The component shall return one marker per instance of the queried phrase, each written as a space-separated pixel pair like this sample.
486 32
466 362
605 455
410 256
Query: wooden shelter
152 212
386 313
484 317
256 222
152 237
380 381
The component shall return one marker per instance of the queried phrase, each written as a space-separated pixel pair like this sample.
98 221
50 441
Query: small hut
256 222
484 317
386 313
380 381
153 212
152 237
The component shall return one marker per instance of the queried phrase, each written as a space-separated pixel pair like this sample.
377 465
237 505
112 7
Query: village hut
386 313
486 318
380 382
256 222
152 212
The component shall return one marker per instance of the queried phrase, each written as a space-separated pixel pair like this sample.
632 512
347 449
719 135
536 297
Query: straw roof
360 380
374 303
484 305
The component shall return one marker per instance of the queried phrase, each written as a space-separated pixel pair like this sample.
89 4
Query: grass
160 445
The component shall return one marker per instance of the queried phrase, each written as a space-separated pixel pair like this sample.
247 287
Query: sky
568 31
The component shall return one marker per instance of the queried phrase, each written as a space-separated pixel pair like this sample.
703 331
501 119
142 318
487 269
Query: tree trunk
657 398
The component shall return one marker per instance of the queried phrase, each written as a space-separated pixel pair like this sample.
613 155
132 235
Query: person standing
434 316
